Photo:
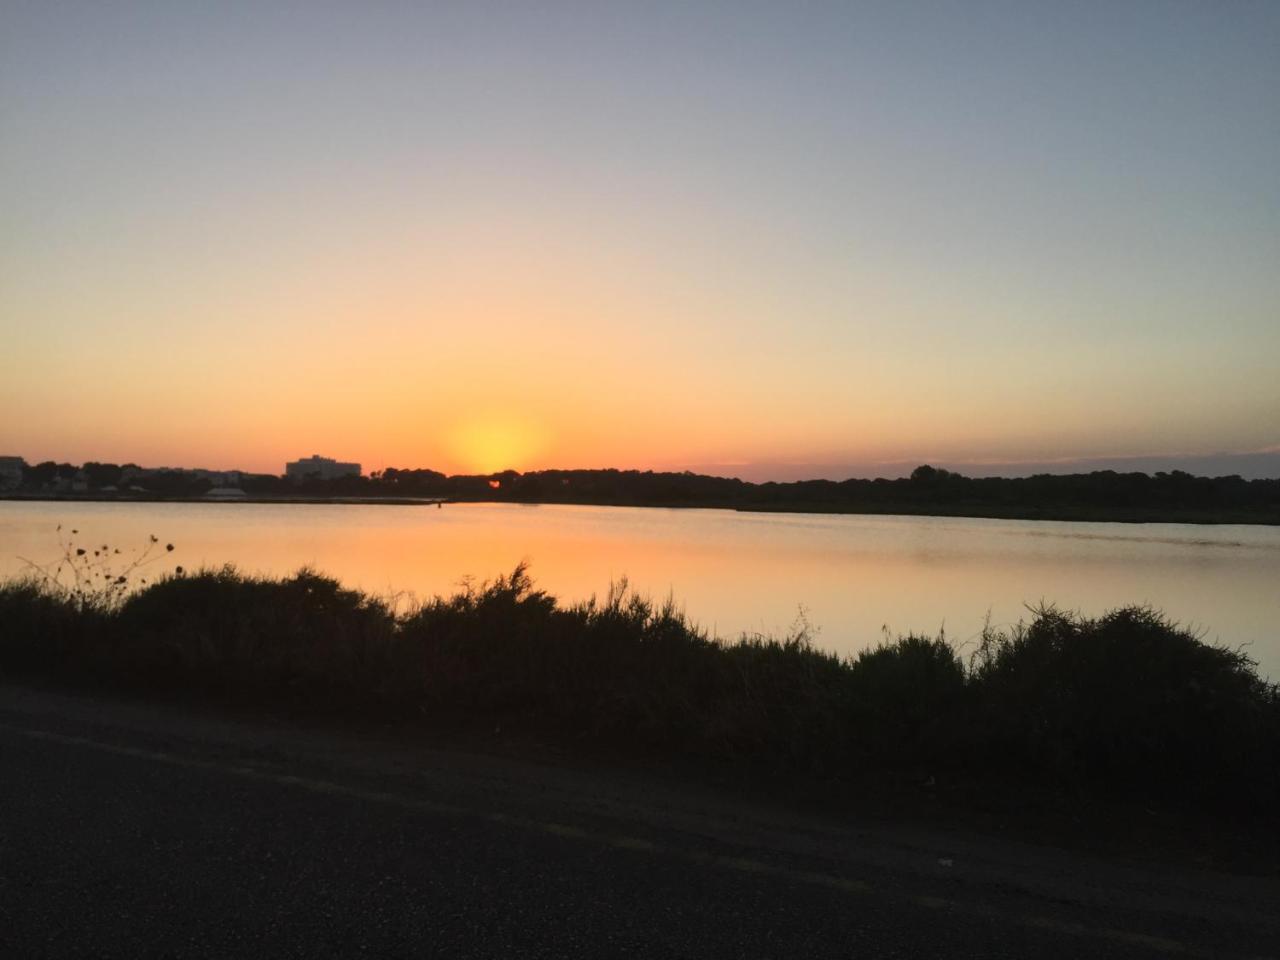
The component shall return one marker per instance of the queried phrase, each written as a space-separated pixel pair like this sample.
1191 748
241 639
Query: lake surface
854 576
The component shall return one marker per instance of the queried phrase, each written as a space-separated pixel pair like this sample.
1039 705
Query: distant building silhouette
11 472
317 467
225 493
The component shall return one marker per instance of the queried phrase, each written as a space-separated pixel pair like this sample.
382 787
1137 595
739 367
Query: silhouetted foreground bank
1174 497
1128 705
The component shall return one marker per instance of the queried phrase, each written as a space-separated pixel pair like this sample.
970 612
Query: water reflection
733 571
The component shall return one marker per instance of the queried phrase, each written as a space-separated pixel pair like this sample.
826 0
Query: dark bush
225 630
41 629
1128 699
906 700
1126 703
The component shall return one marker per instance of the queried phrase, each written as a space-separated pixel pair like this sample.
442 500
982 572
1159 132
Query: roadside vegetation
1125 705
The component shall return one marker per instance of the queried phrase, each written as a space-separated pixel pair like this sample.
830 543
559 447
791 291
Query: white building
317 467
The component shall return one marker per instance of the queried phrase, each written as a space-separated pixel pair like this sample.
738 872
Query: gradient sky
751 238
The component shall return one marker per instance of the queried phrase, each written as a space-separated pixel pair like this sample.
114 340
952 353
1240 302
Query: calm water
734 572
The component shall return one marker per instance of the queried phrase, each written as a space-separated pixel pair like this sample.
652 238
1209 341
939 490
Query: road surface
145 831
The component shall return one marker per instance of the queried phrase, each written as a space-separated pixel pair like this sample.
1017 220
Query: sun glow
492 444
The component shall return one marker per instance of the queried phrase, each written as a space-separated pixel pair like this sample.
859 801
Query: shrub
41 628
906 701
1129 702
220 629
1130 698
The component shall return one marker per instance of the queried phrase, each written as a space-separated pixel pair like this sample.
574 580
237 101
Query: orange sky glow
698 239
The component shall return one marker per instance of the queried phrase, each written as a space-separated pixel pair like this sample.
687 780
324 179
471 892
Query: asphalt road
132 831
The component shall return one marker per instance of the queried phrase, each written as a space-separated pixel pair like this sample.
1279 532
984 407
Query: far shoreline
1055 514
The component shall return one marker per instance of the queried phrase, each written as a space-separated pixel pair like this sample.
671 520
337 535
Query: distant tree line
1104 494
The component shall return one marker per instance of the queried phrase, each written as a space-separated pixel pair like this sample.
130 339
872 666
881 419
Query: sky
766 240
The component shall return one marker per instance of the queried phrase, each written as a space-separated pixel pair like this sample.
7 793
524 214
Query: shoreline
1057 514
